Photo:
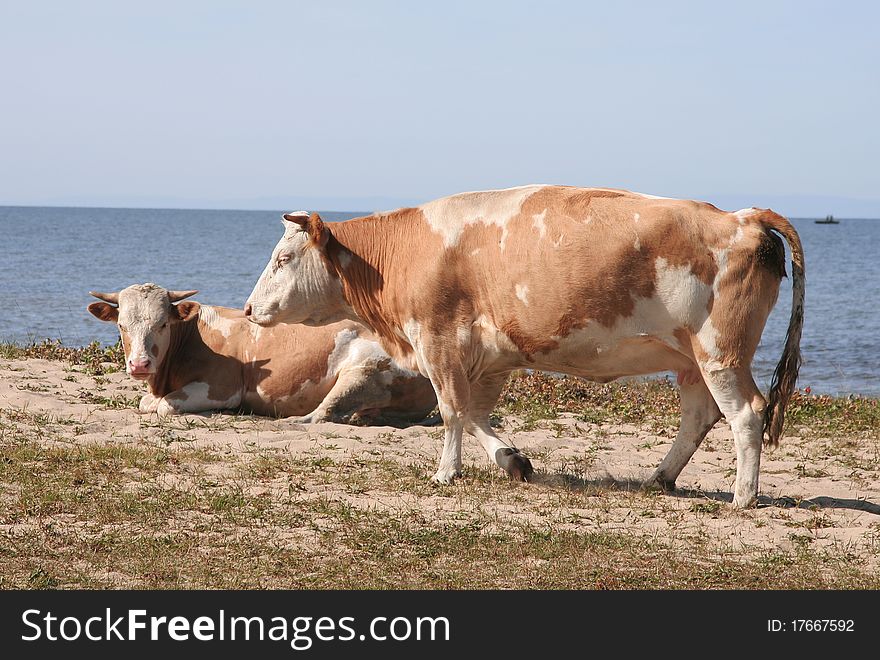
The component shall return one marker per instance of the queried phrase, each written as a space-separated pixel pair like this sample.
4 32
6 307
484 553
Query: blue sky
360 105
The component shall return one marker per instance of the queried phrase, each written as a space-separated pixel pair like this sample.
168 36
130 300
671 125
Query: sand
825 489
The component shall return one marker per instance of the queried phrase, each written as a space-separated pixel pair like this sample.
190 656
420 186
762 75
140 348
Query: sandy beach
313 505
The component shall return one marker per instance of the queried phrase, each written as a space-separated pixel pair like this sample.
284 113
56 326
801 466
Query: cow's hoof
165 409
745 501
517 465
445 476
657 480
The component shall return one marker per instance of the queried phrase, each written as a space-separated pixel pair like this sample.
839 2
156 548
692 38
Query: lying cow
195 357
592 282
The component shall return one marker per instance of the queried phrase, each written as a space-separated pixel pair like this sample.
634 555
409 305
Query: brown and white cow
593 282
195 357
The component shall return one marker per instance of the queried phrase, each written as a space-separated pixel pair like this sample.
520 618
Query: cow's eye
123 328
282 259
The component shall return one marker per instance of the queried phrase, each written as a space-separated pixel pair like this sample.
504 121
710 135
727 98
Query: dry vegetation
94 495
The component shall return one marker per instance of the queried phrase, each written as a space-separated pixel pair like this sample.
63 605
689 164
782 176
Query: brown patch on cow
318 233
685 339
525 343
747 292
373 282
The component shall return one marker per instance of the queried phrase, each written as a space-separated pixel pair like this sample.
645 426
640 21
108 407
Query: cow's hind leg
699 412
742 404
484 396
356 389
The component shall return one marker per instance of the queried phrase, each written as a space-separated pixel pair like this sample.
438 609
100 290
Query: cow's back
537 263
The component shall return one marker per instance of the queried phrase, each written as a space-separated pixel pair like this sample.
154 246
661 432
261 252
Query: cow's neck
364 275
161 383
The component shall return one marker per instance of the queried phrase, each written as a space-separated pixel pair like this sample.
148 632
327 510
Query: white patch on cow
197 399
539 224
680 299
475 252
637 244
344 349
636 217
721 254
742 214
463 333
708 338
344 258
646 196
264 396
522 292
451 215
213 320
684 296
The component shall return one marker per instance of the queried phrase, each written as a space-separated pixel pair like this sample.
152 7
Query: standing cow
195 357
592 282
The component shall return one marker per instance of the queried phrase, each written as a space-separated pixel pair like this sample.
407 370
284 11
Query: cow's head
298 284
144 314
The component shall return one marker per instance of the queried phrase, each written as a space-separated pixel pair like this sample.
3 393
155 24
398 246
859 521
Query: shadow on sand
577 484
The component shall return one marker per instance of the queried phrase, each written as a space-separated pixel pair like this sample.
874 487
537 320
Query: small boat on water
829 220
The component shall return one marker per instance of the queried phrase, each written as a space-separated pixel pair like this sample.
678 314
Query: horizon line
287 209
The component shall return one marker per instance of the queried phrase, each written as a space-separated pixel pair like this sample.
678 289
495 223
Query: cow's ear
318 232
104 311
187 310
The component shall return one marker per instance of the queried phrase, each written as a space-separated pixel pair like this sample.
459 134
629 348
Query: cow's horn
112 298
174 296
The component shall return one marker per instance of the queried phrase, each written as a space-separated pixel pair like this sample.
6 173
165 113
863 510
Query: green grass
537 396
96 359
166 513
655 404
149 517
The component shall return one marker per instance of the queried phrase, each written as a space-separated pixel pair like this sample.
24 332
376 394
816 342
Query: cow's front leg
195 397
148 403
450 460
439 360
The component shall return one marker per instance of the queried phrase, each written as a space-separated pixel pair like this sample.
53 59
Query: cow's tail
786 373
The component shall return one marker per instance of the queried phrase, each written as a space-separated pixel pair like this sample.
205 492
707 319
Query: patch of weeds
711 507
96 359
